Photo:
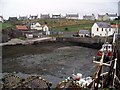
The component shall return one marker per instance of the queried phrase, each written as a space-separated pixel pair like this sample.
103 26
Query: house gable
101 29
106 17
36 26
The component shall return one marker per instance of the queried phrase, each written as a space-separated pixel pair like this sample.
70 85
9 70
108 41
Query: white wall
46 30
36 26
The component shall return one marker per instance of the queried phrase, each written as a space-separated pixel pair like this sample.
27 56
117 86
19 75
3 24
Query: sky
82 7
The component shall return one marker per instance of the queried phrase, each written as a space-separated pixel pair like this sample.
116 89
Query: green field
73 28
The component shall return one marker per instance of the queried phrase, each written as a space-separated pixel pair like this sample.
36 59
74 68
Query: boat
108 52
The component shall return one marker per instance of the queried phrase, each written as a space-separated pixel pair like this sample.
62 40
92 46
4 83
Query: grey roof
101 15
72 15
57 15
45 16
112 15
33 16
1 16
84 32
23 17
87 16
103 24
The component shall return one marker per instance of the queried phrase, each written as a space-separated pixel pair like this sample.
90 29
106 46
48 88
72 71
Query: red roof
21 27
114 26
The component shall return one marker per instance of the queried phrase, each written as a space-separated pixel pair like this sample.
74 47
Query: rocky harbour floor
55 61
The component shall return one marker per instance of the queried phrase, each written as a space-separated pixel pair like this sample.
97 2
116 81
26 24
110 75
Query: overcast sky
34 7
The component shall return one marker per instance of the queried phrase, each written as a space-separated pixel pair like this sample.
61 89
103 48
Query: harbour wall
86 42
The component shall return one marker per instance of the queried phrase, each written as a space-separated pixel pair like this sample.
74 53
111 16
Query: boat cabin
106 47
107 50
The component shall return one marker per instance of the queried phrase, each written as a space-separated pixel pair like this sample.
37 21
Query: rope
117 79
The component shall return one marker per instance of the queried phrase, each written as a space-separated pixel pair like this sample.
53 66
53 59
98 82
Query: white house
36 26
102 29
107 17
46 30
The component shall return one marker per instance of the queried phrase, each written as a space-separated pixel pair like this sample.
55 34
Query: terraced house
72 16
107 17
56 16
45 16
89 17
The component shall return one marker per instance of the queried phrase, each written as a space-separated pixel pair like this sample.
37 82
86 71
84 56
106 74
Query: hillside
58 24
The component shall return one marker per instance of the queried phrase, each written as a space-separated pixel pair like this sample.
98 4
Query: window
109 29
100 34
102 29
97 29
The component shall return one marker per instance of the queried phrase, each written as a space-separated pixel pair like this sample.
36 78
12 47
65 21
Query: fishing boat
108 52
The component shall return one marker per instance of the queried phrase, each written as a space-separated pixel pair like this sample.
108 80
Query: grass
59 24
7 25
74 28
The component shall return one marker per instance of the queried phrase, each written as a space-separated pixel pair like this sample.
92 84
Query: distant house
28 24
23 18
56 16
46 30
102 29
1 19
112 16
107 17
12 19
33 17
36 26
100 17
21 27
89 17
45 16
84 33
72 16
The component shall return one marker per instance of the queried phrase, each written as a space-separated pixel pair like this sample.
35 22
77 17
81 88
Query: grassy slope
7 25
59 24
